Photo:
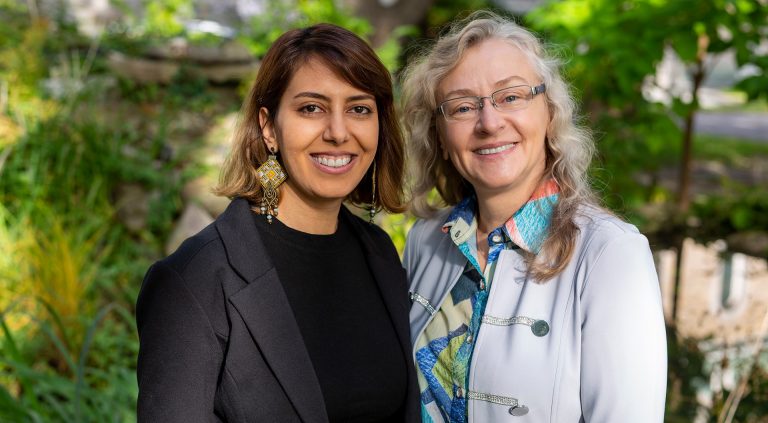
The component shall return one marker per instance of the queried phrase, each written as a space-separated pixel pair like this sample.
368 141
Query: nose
336 130
489 119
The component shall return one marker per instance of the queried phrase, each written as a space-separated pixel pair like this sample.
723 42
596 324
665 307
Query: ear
267 126
445 152
439 137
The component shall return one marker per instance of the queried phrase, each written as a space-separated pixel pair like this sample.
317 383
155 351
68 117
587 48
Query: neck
317 218
495 208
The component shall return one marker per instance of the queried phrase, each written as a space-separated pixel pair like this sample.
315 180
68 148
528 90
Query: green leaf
741 218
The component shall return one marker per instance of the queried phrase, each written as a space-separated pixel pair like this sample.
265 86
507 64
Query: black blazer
218 340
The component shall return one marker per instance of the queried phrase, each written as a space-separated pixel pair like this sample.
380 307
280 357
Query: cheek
371 133
453 140
366 134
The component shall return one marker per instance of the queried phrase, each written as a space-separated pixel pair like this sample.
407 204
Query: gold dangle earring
372 209
271 175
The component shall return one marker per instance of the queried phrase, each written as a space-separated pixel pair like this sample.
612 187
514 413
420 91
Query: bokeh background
116 115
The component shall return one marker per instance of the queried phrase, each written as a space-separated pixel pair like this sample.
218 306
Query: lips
495 149
332 161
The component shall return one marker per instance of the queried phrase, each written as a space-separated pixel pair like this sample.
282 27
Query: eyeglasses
505 100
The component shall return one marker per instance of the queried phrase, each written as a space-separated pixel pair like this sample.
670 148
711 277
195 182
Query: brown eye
310 108
361 110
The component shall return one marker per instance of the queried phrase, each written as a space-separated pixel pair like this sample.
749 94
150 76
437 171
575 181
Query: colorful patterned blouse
444 349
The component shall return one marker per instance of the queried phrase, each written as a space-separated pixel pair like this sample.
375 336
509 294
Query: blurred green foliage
265 28
611 53
70 266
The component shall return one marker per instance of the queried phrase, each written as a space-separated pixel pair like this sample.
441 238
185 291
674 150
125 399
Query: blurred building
722 296
722 302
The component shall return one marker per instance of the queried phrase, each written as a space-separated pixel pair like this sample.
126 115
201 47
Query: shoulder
599 228
205 246
428 231
612 254
188 280
426 243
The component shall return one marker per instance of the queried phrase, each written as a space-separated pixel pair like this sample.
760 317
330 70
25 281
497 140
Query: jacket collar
386 271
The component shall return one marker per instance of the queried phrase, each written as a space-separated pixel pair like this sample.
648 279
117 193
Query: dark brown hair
353 61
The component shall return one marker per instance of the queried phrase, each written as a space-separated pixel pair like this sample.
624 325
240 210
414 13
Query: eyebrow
319 96
465 92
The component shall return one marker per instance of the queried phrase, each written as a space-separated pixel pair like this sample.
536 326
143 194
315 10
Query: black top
342 318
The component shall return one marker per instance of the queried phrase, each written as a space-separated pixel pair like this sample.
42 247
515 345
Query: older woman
289 308
529 301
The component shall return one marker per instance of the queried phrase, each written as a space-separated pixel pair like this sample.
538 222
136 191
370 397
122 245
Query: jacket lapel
394 294
271 323
265 310
390 277
391 281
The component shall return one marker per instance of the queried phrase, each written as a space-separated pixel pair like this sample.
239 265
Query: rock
162 65
753 243
198 191
224 72
142 70
192 221
227 51
132 204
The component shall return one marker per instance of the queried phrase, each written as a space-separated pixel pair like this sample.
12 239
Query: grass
759 105
730 150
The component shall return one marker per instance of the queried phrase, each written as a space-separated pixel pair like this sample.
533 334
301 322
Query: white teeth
337 161
495 150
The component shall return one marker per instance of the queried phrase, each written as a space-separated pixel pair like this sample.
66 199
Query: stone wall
722 296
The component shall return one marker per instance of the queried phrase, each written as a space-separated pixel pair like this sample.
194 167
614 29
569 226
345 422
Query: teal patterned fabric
444 350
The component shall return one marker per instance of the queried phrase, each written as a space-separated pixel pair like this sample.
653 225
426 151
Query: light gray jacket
603 357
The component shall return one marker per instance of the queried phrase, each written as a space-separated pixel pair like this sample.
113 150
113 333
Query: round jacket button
540 328
496 239
518 410
459 393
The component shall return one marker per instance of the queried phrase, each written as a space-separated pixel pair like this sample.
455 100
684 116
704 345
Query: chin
334 195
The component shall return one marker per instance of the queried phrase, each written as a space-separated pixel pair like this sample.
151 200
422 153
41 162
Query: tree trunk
678 275
684 187
386 15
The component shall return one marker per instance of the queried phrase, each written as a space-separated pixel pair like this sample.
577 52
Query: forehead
314 72
490 65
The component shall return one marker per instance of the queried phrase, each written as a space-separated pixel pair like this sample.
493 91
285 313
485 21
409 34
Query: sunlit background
116 115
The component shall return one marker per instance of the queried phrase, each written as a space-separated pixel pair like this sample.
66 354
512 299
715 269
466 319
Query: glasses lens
512 98
460 108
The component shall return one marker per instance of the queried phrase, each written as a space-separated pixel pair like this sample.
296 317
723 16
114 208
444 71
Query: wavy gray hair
569 146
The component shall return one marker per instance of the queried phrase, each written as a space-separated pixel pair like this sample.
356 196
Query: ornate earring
271 175
372 209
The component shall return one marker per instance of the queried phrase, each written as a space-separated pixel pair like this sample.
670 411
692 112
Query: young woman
531 303
288 308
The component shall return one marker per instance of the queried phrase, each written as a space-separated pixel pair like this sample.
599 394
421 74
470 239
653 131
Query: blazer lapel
390 278
271 323
265 310
387 278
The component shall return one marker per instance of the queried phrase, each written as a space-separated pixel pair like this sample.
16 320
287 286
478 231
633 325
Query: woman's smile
493 150
333 162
